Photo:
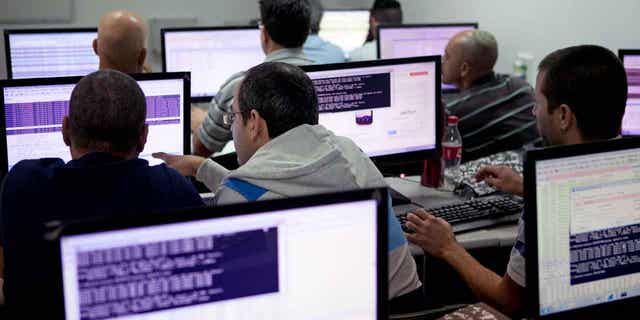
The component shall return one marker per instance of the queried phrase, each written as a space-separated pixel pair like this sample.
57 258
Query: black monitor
315 257
33 109
631 121
346 28
414 40
40 53
389 108
582 230
211 54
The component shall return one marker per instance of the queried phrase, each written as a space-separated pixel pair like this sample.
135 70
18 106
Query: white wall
208 12
537 26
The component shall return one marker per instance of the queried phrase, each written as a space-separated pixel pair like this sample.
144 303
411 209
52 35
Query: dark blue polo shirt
94 186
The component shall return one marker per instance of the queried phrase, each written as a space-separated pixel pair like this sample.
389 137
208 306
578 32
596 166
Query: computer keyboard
467 215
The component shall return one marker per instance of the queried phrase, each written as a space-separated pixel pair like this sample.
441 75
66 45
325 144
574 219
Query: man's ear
66 131
141 58
257 126
465 70
142 140
566 117
95 46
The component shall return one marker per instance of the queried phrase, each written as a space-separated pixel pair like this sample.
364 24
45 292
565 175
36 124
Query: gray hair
107 112
481 48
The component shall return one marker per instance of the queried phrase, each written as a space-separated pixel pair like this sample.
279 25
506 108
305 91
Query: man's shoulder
31 170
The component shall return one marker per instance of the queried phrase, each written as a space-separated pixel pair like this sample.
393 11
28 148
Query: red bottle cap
452 120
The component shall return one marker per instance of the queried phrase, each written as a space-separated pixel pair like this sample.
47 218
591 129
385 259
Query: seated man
494 110
121 42
283 152
316 48
382 12
105 131
285 27
575 86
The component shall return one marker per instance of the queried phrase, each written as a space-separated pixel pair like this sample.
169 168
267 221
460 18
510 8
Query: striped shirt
495 115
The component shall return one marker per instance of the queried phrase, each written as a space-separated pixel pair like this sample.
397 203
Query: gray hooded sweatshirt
311 160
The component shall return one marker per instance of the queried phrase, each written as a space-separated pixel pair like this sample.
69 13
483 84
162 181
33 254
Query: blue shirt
94 186
321 51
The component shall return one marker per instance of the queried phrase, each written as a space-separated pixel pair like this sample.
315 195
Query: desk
495 237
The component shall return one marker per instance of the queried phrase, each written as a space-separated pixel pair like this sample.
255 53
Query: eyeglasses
229 117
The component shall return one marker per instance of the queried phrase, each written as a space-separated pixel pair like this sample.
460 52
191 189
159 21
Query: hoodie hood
309 159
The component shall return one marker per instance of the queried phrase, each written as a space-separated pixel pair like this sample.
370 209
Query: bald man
494 110
121 42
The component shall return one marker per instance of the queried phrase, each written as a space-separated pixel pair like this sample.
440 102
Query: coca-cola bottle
451 150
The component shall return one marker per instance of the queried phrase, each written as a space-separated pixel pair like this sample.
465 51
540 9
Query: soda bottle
451 145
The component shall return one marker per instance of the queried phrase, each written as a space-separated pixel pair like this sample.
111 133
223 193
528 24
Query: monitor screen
386 109
631 120
416 40
300 263
212 55
588 229
48 53
347 29
33 117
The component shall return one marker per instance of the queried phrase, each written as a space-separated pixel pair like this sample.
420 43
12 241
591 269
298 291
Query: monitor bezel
380 195
406 157
475 25
163 31
9 32
621 54
186 109
531 229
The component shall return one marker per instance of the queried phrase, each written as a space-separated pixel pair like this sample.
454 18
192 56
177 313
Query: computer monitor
414 40
211 54
389 108
631 120
582 213
318 257
347 29
43 53
33 109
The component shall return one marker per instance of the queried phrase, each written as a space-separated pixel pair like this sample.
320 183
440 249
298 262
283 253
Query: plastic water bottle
451 152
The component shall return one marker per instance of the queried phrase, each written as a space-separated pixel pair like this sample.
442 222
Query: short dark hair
283 95
317 11
387 11
107 112
592 81
287 21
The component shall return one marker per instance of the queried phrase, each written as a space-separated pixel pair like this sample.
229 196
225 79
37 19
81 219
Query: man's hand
502 178
186 165
434 235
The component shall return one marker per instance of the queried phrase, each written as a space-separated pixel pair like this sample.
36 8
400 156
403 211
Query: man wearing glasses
283 152
284 29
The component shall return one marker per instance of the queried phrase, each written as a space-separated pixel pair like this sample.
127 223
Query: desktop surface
33 112
212 55
347 29
386 107
583 227
50 53
631 120
273 260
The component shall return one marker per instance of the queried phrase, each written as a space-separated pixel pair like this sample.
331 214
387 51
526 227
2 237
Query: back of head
387 12
480 49
283 95
592 81
317 11
286 21
107 112
121 41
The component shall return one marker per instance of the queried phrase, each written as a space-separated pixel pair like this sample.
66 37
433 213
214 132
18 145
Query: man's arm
436 237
